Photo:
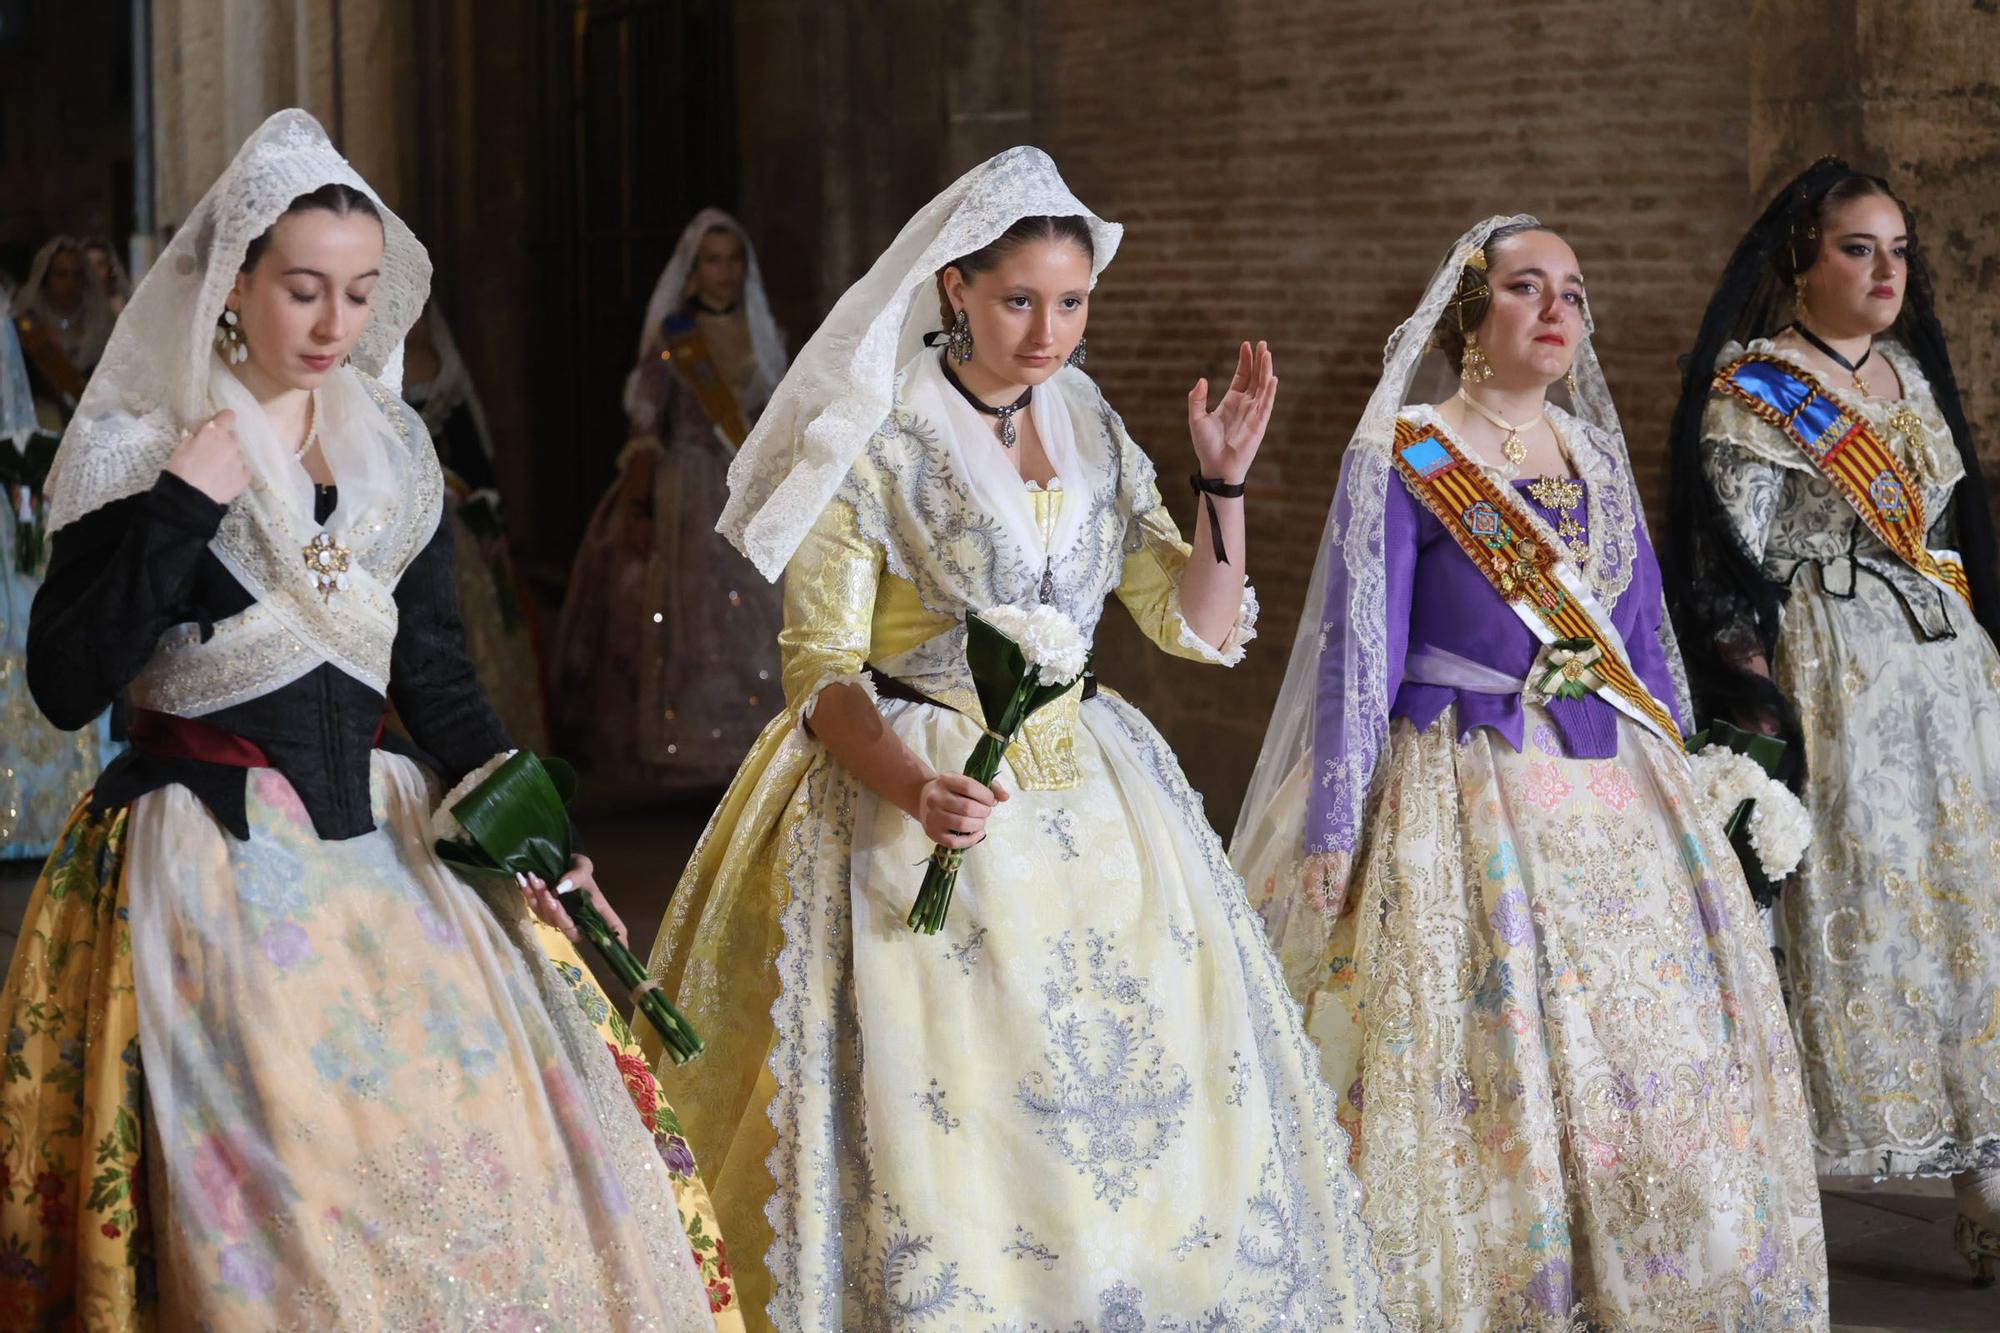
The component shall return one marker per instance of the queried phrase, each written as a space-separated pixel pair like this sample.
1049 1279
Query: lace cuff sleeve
1150 583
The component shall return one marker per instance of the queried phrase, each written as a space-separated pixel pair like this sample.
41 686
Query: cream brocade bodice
845 608
1787 514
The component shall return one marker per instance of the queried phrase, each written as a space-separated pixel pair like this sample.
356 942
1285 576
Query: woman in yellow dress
268 1064
1088 1100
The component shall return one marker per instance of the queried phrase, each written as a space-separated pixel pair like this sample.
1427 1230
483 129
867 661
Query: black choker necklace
1006 414
705 308
1851 367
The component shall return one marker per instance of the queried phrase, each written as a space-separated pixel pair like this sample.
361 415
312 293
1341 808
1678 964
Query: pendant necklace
1512 446
1006 414
1853 368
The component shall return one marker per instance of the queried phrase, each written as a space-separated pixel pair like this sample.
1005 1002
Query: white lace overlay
161 377
153 381
840 389
290 628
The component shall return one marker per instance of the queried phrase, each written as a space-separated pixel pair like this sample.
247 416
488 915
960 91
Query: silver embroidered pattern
1025 1246
1239 1079
933 1104
1198 1237
1108 1104
909 1288
1061 825
966 953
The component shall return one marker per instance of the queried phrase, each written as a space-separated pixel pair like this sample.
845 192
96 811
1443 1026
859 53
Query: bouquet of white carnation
1022 657
1735 792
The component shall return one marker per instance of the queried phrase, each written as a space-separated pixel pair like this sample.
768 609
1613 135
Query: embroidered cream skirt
1554 1024
1892 926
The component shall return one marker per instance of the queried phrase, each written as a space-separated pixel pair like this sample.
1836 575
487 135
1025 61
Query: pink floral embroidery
1545 786
220 1174
1611 784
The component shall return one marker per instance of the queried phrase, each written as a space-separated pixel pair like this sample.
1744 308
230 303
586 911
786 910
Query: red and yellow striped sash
1493 528
1855 461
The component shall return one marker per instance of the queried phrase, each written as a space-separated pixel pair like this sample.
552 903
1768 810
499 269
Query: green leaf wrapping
1010 692
518 823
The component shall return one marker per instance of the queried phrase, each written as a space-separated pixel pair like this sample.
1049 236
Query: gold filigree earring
1473 367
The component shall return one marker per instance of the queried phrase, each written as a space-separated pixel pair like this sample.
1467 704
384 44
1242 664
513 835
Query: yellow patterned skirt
462 1209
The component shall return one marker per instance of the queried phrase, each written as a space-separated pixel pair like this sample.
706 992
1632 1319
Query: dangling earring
1474 368
959 343
229 340
1799 300
1569 382
1078 352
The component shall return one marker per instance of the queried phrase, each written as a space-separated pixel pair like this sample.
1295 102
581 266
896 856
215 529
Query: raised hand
1226 440
209 459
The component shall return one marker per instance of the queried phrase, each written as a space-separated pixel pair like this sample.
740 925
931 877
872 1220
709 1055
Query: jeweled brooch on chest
326 564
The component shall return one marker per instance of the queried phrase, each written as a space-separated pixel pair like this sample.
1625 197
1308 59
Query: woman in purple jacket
1537 980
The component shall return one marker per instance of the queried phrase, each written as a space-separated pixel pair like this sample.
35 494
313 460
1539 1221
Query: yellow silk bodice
844 609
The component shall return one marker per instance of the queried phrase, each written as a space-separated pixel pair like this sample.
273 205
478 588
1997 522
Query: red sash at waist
167 736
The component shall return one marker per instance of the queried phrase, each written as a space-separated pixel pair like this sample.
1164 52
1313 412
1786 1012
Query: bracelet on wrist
1208 488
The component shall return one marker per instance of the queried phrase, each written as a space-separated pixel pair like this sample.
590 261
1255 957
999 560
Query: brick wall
1294 171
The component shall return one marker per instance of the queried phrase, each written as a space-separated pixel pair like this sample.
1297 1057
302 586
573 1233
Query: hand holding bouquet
1759 815
1021 659
515 821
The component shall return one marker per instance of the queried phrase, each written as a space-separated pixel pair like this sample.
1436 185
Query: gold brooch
1556 492
326 565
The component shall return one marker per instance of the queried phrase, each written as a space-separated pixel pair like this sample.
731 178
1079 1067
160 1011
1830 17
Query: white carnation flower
1780 830
1779 827
1049 640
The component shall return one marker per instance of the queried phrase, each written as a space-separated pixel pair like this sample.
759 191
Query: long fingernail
522 880
564 887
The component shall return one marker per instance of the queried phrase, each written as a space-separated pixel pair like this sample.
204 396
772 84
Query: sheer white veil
159 373
1338 658
767 340
839 391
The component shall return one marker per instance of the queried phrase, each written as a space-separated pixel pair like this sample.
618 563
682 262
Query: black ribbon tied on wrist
1208 488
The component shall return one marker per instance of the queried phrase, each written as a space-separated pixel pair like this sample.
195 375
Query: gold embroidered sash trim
687 352
1845 449
1494 530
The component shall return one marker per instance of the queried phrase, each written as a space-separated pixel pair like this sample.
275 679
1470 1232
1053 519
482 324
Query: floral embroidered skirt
1087 1102
306 1084
1892 925
1556 1030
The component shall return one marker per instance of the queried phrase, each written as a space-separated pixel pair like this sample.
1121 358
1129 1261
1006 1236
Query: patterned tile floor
1889 1244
